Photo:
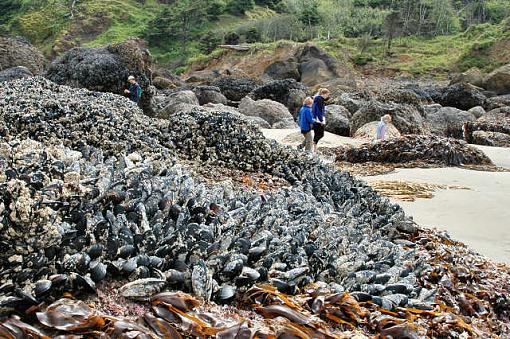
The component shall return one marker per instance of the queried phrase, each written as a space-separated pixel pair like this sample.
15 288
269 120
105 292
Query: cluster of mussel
91 192
428 149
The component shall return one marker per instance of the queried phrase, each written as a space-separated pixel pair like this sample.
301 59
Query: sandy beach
478 216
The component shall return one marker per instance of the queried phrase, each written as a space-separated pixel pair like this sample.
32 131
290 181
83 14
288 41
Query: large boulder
351 101
337 120
106 69
275 113
448 121
496 139
499 80
209 94
462 96
19 52
288 92
257 121
477 111
285 69
316 66
179 101
13 73
368 131
235 89
406 118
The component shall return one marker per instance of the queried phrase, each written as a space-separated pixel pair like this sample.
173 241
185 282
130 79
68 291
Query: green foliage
209 42
239 7
253 35
232 38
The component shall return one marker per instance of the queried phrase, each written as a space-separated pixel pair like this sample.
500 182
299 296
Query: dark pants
318 130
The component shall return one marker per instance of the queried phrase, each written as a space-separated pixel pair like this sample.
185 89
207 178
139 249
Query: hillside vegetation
409 36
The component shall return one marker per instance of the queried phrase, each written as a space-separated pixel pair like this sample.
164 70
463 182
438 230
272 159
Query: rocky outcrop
209 94
448 121
368 131
337 120
106 69
495 139
286 69
287 92
309 64
462 96
13 73
424 148
406 118
235 89
274 113
316 66
19 52
495 123
499 80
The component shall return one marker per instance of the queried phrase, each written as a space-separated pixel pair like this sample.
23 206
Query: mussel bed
94 191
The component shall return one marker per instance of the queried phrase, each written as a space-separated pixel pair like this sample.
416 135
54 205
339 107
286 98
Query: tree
183 22
391 27
253 35
209 42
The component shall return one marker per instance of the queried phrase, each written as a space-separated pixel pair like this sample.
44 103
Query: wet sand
479 217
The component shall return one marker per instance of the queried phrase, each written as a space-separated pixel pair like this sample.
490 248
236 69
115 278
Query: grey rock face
209 94
337 118
448 121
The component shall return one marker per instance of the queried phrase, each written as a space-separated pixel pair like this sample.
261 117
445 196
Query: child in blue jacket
306 123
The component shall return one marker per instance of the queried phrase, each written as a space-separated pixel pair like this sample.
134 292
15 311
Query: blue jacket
305 119
135 92
319 108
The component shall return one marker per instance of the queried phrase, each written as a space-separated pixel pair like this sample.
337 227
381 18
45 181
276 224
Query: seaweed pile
93 191
426 149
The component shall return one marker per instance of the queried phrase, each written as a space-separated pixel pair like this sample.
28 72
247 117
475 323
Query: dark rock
448 122
16 52
287 92
406 118
337 120
13 73
235 88
462 96
286 69
209 94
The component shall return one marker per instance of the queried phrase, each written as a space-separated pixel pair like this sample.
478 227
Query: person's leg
318 135
308 141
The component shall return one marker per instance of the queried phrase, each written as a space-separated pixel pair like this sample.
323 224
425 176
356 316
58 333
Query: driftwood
239 48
